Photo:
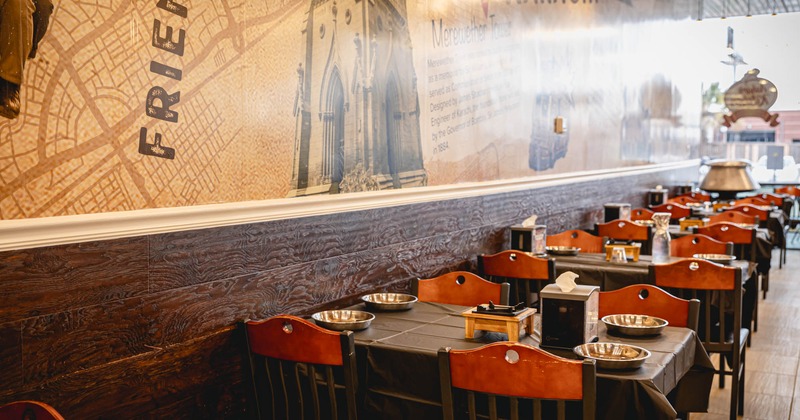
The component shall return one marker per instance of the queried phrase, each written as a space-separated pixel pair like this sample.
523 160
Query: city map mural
116 105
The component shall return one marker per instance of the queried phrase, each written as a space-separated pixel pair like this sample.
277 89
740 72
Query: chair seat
725 348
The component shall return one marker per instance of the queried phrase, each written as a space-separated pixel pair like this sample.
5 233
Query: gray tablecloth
400 378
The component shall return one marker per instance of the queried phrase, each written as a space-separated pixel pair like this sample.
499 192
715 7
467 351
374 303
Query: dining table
594 270
399 372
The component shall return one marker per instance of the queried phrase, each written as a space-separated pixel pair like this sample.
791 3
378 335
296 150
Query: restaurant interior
395 209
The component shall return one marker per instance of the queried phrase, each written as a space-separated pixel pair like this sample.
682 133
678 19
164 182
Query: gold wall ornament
752 96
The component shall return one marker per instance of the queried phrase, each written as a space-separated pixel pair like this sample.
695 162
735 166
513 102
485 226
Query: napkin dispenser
657 196
529 238
614 211
569 318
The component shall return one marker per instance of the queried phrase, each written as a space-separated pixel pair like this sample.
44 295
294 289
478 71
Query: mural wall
118 105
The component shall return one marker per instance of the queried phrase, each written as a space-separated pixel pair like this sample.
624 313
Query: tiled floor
772 389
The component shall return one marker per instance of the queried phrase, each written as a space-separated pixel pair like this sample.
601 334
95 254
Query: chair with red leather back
732 216
578 239
646 299
684 200
29 410
517 378
625 230
641 214
291 360
689 245
677 211
528 274
719 288
460 288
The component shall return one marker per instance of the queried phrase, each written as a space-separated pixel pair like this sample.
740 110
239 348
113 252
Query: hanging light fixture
724 9
748 9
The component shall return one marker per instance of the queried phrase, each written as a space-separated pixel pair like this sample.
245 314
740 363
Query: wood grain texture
144 323
43 281
199 379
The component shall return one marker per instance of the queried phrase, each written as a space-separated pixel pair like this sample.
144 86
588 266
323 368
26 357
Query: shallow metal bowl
645 222
343 319
389 301
613 355
717 258
562 250
630 324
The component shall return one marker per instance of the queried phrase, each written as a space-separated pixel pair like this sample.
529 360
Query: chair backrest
684 199
521 375
646 299
515 267
29 410
686 246
733 216
744 239
751 210
771 199
677 211
460 288
625 230
641 214
697 195
718 287
578 238
755 201
789 190
291 359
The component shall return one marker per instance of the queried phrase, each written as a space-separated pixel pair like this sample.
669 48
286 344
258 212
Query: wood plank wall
144 327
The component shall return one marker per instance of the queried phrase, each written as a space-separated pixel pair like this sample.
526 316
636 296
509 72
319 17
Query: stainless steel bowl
562 250
717 258
343 319
389 301
645 222
630 324
613 355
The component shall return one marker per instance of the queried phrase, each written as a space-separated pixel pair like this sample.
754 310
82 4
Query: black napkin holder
657 196
569 318
614 211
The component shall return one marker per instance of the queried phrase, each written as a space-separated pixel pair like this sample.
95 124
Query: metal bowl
717 258
344 319
562 250
629 324
389 301
613 355
645 222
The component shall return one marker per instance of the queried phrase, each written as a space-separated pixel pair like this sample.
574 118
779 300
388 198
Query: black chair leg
722 370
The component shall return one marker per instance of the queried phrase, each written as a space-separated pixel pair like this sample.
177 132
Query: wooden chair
744 247
793 224
524 379
646 299
460 288
677 211
641 214
772 199
684 200
707 281
625 230
788 190
290 359
29 410
697 195
686 246
753 201
527 273
579 239
751 210
732 216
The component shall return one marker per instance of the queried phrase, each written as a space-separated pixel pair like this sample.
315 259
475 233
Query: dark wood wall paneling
145 326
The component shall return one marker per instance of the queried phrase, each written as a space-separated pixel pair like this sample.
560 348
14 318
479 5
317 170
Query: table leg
469 328
512 329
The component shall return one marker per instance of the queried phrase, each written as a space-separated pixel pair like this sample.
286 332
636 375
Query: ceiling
704 9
